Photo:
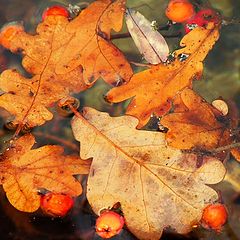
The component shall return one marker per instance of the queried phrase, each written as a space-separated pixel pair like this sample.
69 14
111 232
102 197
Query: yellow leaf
24 171
63 57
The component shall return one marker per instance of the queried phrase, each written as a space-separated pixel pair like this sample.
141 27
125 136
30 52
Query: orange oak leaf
195 123
25 171
157 186
154 89
63 57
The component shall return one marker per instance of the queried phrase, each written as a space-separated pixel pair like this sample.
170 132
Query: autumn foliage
160 179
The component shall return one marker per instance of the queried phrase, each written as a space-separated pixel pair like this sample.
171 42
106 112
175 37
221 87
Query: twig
225 148
57 139
127 35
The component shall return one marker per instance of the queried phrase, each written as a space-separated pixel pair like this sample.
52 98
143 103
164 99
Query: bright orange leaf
25 171
195 123
154 89
63 57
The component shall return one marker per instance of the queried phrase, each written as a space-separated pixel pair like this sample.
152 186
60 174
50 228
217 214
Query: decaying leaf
150 43
63 57
158 186
154 89
24 171
195 124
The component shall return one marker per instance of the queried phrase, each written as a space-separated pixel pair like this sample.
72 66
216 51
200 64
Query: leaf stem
225 148
127 35
57 139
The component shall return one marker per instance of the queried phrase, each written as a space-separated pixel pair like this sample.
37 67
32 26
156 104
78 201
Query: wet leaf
63 57
158 186
25 171
150 43
195 124
154 89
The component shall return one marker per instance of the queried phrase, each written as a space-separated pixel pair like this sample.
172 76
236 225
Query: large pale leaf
158 186
24 171
149 41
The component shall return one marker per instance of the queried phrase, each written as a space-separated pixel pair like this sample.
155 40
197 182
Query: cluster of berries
182 11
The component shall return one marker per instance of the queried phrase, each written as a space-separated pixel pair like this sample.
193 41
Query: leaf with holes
154 89
63 57
158 186
25 171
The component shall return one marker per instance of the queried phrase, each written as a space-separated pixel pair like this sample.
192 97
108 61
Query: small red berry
55 10
109 224
214 216
202 18
179 10
8 32
56 204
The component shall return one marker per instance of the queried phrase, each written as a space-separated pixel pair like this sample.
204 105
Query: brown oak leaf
196 124
63 57
24 171
154 89
158 186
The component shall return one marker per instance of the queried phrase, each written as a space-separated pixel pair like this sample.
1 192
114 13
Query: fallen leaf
150 43
63 57
91 47
157 186
25 171
154 89
196 124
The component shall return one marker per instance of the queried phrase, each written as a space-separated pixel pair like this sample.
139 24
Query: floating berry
214 216
8 32
179 10
56 204
109 224
55 10
202 18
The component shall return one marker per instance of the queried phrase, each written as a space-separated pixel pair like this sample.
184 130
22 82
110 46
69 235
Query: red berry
179 10
56 204
8 32
109 224
55 10
214 216
202 18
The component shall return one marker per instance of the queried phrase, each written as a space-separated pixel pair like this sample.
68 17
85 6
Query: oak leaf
25 171
157 186
154 89
195 124
63 57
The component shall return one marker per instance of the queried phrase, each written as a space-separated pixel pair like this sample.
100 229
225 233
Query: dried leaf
154 89
63 57
158 186
24 171
149 41
195 124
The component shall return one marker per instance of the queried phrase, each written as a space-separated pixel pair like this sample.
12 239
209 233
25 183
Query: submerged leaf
149 41
196 124
157 186
63 57
25 171
154 89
